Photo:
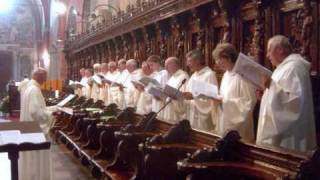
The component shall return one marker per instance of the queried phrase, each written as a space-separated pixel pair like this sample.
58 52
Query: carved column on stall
162 41
306 34
126 52
147 43
226 10
179 38
135 46
257 46
108 50
116 50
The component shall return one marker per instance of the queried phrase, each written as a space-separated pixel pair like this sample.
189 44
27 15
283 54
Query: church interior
159 89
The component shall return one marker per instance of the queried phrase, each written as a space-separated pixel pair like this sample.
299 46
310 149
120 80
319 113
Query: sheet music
156 92
9 137
66 100
251 70
15 137
66 110
97 80
32 138
202 89
77 84
173 93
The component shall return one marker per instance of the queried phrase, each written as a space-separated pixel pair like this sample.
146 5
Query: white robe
103 92
176 110
144 103
286 116
162 78
200 110
35 165
23 85
130 92
113 77
117 94
239 99
95 89
85 91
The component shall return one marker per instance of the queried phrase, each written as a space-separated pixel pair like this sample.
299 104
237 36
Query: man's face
192 64
273 54
104 69
130 67
82 72
146 69
171 67
154 66
88 73
122 66
112 67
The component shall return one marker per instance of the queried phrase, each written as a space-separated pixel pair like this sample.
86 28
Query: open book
76 84
164 93
251 70
145 81
201 89
66 100
96 79
15 137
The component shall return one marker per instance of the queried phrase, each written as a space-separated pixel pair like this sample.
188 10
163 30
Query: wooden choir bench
120 144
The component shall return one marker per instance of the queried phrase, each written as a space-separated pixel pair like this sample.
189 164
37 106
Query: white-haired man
145 99
286 116
35 165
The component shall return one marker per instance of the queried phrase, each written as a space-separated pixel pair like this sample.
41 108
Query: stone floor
64 166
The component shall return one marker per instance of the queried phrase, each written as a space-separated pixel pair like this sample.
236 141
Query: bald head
39 75
172 65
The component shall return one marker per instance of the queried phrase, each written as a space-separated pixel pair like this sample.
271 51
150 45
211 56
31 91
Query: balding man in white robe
199 109
86 90
286 116
176 110
35 165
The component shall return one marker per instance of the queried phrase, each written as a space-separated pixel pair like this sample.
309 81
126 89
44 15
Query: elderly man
286 116
35 165
86 90
104 87
117 89
113 75
83 80
131 93
200 109
176 110
95 82
161 76
145 99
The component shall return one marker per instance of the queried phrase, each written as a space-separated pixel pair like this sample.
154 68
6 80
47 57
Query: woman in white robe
199 109
238 96
161 76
